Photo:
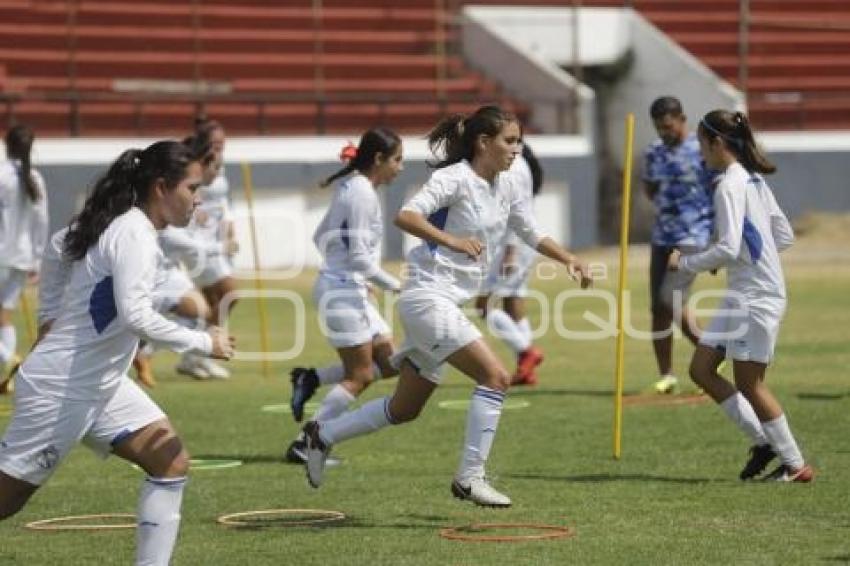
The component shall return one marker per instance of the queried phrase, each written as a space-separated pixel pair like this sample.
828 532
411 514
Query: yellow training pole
621 286
29 321
258 284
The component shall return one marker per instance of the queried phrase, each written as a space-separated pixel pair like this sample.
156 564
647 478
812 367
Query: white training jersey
209 222
351 234
107 307
749 232
456 200
182 245
23 223
55 273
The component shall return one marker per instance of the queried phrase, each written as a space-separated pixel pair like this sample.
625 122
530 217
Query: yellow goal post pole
248 186
621 284
26 312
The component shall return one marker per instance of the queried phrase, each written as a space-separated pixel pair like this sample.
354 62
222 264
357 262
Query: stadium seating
109 67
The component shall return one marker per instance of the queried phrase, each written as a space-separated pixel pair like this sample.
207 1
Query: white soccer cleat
479 492
190 365
317 454
215 371
667 384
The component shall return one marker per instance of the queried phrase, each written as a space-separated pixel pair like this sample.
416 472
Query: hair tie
738 143
460 127
348 153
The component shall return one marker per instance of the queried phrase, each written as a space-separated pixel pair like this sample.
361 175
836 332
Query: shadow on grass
822 396
842 558
245 458
602 478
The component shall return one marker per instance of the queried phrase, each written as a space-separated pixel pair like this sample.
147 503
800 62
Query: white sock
370 417
783 443
331 374
158 519
481 423
740 412
8 342
504 327
334 404
525 328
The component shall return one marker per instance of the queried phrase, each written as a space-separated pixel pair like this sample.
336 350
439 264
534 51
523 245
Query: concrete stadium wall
289 205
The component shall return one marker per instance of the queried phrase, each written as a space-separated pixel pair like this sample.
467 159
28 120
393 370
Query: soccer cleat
785 474
215 371
304 385
317 454
479 492
189 366
667 384
527 361
760 457
144 371
296 453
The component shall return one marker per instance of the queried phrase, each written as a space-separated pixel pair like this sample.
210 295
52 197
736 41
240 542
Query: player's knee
699 371
179 465
403 413
498 379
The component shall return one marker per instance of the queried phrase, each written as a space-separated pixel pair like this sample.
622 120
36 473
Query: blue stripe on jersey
753 240
343 234
438 220
102 305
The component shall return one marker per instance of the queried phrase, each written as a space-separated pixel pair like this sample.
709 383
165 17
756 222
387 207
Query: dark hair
455 136
734 129
200 146
19 146
204 125
665 106
373 142
535 167
125 184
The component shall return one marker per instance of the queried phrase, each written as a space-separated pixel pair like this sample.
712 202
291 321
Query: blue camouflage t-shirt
683 203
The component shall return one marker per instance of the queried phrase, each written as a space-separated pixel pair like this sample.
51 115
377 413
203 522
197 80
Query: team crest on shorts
47 458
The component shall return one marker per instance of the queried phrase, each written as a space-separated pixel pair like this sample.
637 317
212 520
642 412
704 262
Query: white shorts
172 284
515 282
214 268
744 333
12 282
346 316
44 429
435 328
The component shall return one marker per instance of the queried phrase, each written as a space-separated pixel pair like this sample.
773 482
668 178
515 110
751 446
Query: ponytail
734 129
535 167
126 184
19 141
454 137
362 158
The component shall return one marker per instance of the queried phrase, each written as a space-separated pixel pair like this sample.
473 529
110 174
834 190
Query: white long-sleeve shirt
55 273
182 245
23 223
457 201
214 209
106 308
749 232
351 234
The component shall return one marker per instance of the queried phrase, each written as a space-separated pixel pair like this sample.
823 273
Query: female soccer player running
508 280
73 386
349 238
23 234
750 231
460 213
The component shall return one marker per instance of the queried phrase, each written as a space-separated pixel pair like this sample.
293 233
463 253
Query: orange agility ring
280 518
471 533
81 523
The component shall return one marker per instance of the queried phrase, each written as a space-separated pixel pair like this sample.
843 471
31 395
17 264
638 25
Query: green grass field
673 498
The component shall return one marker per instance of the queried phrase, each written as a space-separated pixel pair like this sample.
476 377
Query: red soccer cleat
527 361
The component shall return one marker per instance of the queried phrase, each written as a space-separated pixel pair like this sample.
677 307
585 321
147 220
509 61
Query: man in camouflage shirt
675 177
